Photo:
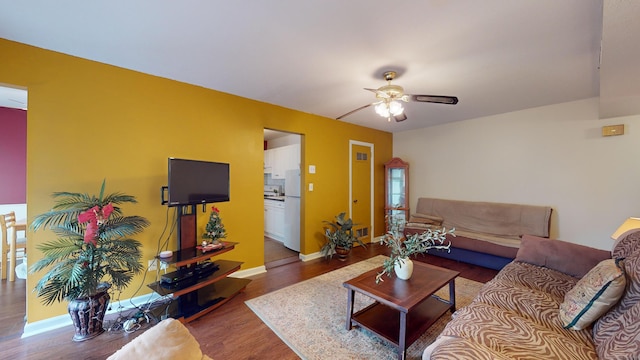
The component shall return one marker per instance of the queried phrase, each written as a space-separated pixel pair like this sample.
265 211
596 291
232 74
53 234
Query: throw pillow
593 295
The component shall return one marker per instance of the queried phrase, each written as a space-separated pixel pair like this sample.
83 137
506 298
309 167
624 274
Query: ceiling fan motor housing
390 91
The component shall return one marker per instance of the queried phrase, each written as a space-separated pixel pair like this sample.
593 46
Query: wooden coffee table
403 309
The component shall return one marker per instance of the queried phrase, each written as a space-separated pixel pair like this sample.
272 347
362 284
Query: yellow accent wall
88 121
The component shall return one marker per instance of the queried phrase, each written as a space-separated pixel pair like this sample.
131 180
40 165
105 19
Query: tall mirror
396 189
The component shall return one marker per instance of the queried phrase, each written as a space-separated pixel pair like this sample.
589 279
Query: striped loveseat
521 313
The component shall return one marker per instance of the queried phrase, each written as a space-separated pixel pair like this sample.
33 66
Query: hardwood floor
230 332
276 254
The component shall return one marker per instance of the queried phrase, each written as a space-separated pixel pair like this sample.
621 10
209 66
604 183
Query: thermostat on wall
613 130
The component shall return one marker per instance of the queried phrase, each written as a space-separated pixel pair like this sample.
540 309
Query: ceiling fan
390 97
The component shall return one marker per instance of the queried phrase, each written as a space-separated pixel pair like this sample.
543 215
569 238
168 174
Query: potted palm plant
402 248
91 254
340 237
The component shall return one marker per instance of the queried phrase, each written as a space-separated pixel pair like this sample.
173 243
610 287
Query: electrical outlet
153 265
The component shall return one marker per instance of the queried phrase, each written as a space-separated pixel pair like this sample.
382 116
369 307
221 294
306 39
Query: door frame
371 167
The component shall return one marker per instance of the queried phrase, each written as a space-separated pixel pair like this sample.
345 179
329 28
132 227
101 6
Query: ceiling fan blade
352 111
401 117
439 99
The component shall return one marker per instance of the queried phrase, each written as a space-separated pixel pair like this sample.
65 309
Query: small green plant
403 247
339 235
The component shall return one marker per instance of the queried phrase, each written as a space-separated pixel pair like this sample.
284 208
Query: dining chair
10 244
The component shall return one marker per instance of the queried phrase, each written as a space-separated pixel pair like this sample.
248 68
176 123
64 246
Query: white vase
403 268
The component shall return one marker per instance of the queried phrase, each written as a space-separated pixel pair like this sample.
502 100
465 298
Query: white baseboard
311 256
56 322
249 272
262 269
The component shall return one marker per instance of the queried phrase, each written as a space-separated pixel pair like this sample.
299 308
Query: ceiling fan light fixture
395 108
388 109
382 109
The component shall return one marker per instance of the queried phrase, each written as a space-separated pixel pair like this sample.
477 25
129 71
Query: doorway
282 197
13 119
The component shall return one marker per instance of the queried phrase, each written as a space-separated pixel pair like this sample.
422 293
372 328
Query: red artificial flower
95 217
215 209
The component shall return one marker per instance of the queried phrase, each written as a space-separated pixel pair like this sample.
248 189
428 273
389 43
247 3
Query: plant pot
342 253
87 315
403 268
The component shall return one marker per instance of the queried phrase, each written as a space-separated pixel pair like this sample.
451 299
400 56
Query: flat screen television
194 182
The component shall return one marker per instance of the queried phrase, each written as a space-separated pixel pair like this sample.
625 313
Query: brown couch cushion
570 258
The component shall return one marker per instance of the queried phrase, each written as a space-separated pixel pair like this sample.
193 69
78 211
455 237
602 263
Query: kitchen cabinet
280 159
274 219
268 161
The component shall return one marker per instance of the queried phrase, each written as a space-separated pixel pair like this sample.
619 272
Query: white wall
19 209
553 155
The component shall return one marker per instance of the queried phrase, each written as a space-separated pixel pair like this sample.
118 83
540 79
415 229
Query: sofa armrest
169 339
450 347
569 258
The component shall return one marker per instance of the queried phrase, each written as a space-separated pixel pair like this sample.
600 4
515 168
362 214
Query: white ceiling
317 56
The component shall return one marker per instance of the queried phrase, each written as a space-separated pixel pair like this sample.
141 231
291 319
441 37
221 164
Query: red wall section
13 156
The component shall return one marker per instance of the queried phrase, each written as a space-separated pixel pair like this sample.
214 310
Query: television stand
200 293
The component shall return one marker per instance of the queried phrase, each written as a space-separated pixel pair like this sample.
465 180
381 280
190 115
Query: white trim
312 256
56 322
371 185
45 325
249 272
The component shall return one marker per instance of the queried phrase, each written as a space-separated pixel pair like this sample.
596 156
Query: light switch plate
312 169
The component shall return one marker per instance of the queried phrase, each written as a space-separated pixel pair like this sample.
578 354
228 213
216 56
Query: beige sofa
549 304
487 233
169 339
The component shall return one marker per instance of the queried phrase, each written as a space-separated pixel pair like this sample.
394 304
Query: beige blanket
491 219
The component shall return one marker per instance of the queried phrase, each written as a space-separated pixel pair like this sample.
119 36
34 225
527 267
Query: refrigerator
292 209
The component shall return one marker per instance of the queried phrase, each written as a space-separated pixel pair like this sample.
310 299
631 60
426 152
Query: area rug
310 316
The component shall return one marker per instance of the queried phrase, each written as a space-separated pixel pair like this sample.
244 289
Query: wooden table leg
402 341
452 294
350 303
